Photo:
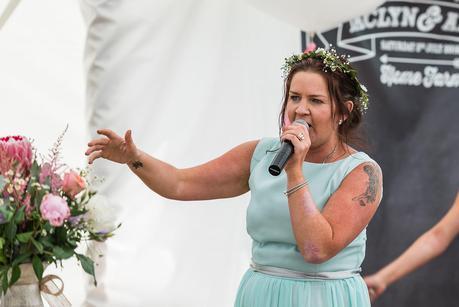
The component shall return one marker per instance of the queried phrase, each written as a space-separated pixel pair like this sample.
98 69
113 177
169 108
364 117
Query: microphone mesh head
301 122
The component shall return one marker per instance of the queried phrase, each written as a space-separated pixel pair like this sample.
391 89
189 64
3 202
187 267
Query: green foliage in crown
334 62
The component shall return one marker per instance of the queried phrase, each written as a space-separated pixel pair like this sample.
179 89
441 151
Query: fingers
94 156
108 133
293 138
100 141
298 131
374 294
128 137
94 148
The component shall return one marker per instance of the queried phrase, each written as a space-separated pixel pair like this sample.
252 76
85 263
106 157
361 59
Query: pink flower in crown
73 184
15 151
310 47
48 172
54 209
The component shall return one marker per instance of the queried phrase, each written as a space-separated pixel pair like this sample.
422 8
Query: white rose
100 216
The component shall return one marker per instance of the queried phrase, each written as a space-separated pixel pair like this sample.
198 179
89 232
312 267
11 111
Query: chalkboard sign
407 55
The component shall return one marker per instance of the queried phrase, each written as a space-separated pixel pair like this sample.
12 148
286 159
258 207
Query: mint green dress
274 245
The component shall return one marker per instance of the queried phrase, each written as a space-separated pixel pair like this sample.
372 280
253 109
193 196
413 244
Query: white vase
25 292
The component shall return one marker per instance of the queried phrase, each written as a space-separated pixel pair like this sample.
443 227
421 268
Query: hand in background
376 286
112 147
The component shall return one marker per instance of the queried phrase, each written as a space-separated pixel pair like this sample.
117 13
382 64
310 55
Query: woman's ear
349 106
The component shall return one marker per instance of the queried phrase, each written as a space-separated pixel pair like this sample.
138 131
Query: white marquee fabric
315 16
192 79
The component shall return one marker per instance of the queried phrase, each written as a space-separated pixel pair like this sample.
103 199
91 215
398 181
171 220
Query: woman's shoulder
358 158
269 142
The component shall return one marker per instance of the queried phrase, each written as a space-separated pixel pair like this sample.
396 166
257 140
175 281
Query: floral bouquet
45 211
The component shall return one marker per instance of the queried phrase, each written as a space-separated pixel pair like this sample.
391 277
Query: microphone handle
281 158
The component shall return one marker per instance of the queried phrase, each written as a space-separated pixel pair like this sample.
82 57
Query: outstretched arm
226 176
428 246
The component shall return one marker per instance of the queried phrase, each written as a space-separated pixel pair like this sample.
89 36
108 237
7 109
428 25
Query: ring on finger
300 136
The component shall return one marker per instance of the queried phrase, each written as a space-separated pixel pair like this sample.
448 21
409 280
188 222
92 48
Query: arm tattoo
369 195
137 164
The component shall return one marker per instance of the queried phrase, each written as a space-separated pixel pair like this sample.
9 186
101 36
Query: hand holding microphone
286 151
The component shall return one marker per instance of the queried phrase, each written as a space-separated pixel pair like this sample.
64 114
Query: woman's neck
329 152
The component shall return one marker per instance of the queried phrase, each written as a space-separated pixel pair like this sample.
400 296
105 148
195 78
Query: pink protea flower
73 184
54 209
15 151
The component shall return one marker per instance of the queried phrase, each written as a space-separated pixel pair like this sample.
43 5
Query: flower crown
332 61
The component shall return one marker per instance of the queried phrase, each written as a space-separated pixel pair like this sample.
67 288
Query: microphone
284 153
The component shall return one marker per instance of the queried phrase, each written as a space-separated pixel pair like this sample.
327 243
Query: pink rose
311 47
15 150
54 209
73 184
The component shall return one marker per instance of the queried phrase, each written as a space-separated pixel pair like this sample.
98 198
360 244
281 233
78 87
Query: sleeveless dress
274 245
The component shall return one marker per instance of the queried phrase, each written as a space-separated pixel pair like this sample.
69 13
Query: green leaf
46 242
38 246
15 274
24 237
7 214
10 231
61 234
2 259
39 197
35 170
19 216
2 182
5 282
88 266
37 267
21 258
63 252
2 242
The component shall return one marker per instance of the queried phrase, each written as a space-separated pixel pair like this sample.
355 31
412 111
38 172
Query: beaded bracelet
295 188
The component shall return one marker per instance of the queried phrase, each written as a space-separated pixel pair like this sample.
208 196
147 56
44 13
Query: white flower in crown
332 62
101 215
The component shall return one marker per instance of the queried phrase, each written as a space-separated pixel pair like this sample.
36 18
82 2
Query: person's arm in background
428 246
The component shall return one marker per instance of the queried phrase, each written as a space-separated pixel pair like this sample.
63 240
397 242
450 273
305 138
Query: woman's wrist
384 276
136 161
294 176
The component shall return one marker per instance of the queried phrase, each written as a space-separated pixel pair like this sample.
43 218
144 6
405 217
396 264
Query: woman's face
308 99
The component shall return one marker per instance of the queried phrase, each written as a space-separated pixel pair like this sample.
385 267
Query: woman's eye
315 100
295 98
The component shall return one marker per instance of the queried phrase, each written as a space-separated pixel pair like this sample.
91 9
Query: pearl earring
340 122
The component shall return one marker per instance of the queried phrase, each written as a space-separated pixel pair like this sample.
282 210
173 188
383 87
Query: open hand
112 147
